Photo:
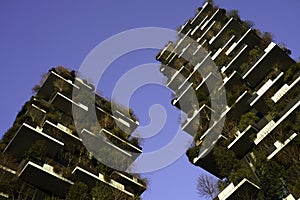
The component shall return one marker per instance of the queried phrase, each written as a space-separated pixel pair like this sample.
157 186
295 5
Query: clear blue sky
35 36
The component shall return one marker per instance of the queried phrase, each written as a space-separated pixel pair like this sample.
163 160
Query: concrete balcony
258 102
44 178
212 80
240 58
208 161
164 53
250 38
289 197
240 106
243 144
60 132
91 180
26 137
221 37
121 142
125 120
64 103
184 28
232 83
279 146
48 88
191 125
205 62
202 13
221 49
185 101
268 128
83 85
284 89
115 148
122 121
201 39
236 192
218 15
131 183
273 55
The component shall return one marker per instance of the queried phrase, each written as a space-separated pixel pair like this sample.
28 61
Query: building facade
257 154
43 156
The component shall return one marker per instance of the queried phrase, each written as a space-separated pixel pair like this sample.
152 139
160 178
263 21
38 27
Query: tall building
257 155
43 156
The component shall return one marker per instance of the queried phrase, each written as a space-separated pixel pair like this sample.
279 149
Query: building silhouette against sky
284 151
257 155
42 155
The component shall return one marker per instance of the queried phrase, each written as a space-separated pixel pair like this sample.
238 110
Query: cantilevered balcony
257 102
279 146
201 115
268 128
64 103
289 197
106 143
273 55
91 180
178 85
202 13
185 102
208 162
222 48
217 16
222 36
212 80
232 83
165 52
130 123
250 38
26 137
44 178
131 183
83 85
245 189
284 89
124 122
60 132
235 63
48 87
121 142
243 143
240 106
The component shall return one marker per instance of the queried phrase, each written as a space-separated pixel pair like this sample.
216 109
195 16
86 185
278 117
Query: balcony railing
91 179
44 177
27 136
131 183
279 146
64 133
272 124
244 189
64 103
48 88
283 90
242 144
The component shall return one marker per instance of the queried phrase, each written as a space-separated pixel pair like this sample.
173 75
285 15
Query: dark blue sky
34 36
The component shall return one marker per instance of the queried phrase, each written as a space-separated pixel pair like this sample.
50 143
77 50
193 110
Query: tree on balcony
36 151
247 119
78 191
105 192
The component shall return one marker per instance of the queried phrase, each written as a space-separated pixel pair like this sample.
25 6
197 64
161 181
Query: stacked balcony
245 189
259 78
46 123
